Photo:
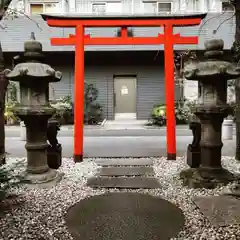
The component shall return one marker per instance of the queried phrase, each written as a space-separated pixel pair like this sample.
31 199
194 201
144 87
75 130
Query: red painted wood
118 23
169 91
124 33
79 40
110 41
124 40
79 94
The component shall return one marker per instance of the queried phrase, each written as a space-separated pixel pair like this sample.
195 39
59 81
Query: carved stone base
54 156
44 180
206 178
193 156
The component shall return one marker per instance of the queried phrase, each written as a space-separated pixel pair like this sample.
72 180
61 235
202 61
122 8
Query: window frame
106 2
157 5
225 1
43 3
171 3
32 4
98 3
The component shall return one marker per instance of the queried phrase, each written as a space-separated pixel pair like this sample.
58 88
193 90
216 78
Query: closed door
125 94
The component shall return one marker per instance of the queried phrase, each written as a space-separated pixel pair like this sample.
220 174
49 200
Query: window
164 7
227 7
36 8
107 7
48 7
157 7
99 8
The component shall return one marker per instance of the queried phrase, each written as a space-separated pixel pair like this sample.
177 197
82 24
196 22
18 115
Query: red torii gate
79 40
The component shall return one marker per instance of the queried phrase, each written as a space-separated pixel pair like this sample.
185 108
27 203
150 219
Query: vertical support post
124 32
79 94
169 92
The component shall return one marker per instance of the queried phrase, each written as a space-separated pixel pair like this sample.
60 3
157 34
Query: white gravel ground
39 213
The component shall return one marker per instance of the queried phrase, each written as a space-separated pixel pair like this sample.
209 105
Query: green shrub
9 179
183 112
158 115
64 110
92 109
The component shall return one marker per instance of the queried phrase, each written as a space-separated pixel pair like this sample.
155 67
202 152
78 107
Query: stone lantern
35 110
212 75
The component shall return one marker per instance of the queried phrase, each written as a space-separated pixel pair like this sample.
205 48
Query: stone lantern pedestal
211 109
35 110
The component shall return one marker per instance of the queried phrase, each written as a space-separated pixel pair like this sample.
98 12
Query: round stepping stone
124 216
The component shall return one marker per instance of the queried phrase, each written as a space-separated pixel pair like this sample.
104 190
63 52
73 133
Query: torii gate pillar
79 40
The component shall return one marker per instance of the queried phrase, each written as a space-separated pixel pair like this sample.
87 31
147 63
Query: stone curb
63 128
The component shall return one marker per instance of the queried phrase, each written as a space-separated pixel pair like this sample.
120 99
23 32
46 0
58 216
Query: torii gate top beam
71 20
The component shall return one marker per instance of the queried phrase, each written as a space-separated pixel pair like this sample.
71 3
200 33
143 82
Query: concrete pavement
118 146
96 131
111 133
131 139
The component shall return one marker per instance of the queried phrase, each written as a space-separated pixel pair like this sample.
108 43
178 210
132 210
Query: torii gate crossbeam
79 40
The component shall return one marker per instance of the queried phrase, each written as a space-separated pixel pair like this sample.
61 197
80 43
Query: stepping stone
126 171
123 182
220 210
124 162
124 216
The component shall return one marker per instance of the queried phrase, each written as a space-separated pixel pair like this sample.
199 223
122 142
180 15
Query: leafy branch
14 13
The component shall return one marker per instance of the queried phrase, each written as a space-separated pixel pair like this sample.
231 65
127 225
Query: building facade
125 6
130 79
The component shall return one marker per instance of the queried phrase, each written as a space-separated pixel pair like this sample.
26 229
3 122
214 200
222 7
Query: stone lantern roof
213 68
33 67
